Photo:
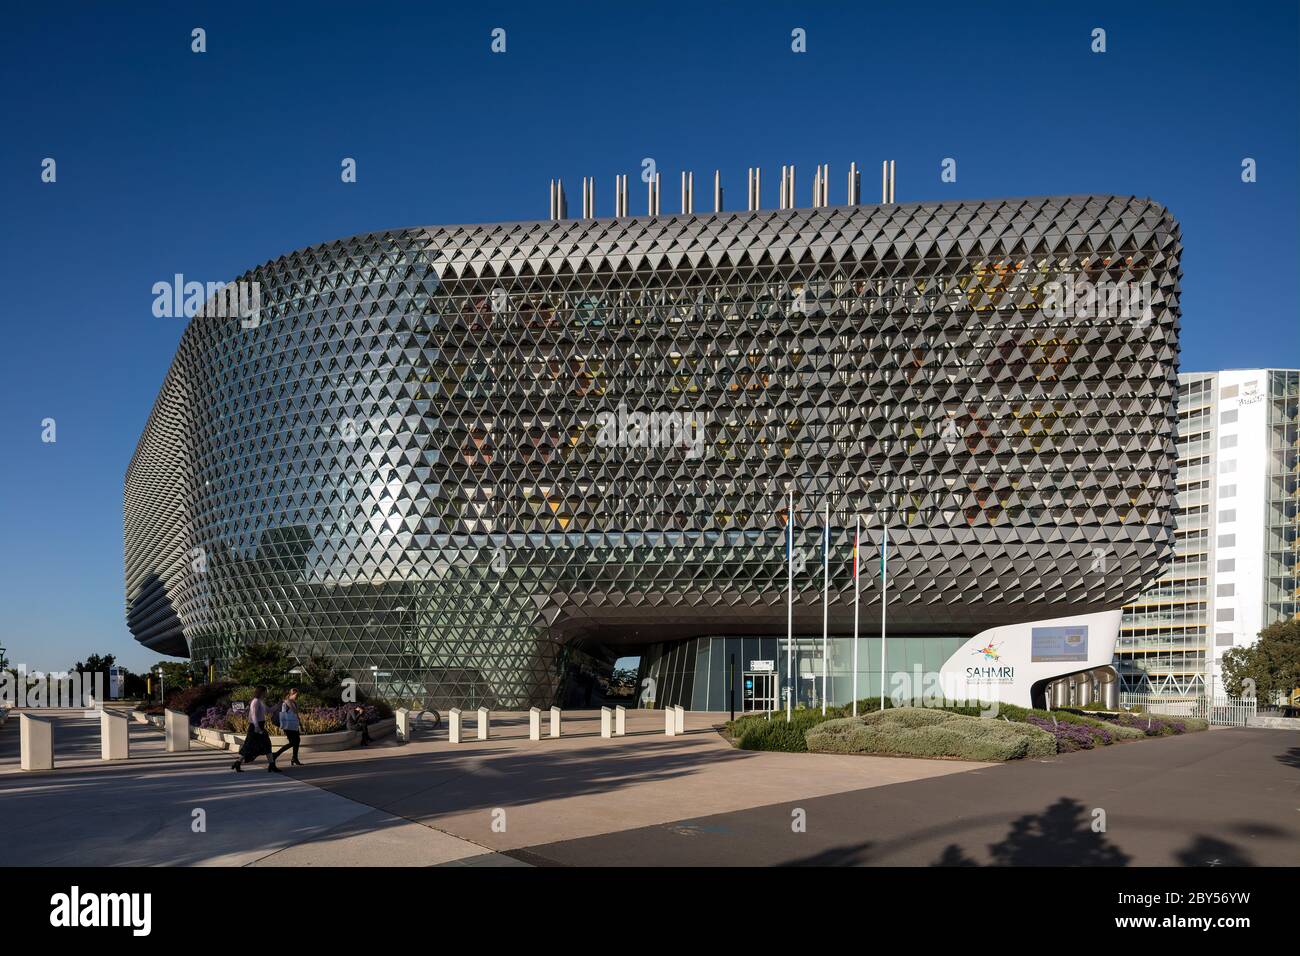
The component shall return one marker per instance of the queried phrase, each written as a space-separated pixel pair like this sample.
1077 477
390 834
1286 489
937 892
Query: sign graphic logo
990 650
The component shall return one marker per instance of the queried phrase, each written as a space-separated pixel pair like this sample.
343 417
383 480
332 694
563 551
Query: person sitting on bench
356 720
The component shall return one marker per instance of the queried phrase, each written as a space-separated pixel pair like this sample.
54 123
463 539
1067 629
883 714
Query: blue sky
170 161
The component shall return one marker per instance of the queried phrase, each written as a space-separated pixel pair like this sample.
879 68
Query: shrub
1150 725
922 732
267 663
320 720
196 700
311 720
758 732
1069 736
1070 728
323 678
215 718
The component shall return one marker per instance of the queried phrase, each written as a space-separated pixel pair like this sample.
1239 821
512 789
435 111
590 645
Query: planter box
215 738
1274 723
339 740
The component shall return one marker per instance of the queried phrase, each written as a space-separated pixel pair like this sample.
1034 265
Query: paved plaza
1216 798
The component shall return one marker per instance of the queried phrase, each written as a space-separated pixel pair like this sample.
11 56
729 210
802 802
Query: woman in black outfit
258 740
289 724
356 720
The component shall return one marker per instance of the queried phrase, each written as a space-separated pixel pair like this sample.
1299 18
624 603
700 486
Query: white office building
1235 563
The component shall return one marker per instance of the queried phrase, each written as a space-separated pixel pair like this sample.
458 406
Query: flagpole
857 594
884 603
826 592
789 614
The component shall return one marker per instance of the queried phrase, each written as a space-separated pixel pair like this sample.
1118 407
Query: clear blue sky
209 164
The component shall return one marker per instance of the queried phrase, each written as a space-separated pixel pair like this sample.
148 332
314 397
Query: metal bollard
403 718
606 722
555 721
620 721
484 723
453 725
534 723
679 717
670 722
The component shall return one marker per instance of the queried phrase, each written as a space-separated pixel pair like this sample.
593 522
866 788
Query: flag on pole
826 599
884 606
790 685
857 599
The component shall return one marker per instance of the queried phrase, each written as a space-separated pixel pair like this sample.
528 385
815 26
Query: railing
1222 711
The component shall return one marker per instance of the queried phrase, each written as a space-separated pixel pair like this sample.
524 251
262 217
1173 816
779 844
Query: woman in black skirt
258 740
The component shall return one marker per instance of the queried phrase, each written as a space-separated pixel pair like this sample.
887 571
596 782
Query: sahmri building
479 464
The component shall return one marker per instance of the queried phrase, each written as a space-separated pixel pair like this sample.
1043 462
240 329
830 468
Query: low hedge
1070 728
1150 725
315 720
195 700
921 732
759 732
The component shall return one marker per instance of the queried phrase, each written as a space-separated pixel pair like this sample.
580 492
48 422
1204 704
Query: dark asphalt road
1218 798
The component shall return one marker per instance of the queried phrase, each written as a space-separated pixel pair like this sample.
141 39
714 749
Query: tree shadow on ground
854 854
1211 851
1062 835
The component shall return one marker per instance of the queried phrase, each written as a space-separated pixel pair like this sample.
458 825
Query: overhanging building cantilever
477 460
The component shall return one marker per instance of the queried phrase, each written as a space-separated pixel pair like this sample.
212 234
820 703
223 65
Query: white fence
1224 711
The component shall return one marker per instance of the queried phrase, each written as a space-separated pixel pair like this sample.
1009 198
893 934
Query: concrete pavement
1219 798
509 792
424 803
141 812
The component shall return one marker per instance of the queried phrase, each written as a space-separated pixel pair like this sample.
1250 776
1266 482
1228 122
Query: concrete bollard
484 723
534 723
403 717
606 722
176 727
555 721
679 718
35 743
620 721
670 722
114 735
453 725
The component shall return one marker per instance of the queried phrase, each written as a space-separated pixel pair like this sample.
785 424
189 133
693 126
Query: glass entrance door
759 691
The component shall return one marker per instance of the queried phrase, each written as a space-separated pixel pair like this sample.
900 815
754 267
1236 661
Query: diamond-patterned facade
407 464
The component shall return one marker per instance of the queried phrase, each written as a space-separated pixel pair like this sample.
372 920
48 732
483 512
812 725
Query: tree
267 663
133 687
95 663
1272 662
175 674
323 677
